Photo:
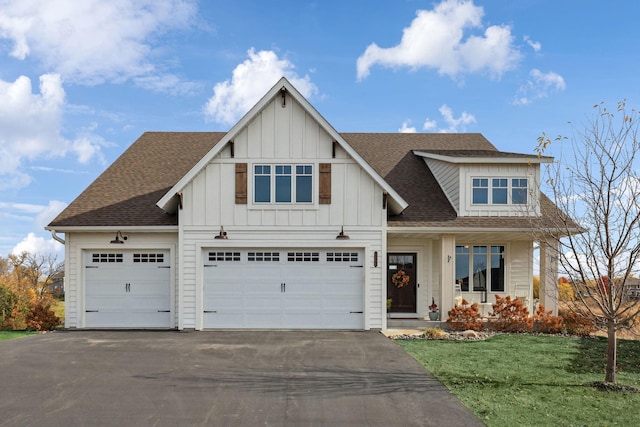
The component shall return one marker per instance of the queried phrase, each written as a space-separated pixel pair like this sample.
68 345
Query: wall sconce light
375 258
448 258
119 239
341 235
283 92
222 234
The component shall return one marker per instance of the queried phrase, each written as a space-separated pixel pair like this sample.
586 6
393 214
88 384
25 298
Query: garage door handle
283 287
210 311
91 311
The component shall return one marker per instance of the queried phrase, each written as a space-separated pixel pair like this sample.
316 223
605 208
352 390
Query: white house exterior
285 223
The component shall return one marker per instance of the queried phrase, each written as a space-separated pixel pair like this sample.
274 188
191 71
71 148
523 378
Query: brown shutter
325 184
241 183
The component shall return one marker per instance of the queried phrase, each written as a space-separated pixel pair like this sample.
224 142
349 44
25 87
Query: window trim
510 189
293 204
470 253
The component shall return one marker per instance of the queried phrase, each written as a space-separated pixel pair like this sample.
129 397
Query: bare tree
599 188
35 271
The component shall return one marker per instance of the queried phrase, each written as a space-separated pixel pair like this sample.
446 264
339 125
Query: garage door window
101 258
263 256
342 257
303 256
155 258
224 256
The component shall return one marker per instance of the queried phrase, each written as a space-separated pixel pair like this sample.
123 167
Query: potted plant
433 310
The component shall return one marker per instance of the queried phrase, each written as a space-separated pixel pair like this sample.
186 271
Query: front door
401 282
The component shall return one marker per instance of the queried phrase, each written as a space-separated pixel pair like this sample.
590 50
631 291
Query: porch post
549 276
447 273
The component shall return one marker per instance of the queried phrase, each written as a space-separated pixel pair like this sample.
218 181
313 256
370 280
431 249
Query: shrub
577 324
511 315
12 310
42 318
435 333
546 322
465 316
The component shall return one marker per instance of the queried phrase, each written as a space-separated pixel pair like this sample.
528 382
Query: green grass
58 308
529 380
9 335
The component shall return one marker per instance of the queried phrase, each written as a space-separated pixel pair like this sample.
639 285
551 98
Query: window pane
480 193
499 191
519 191
283 189
262 189
497 268
479 268
303 189
462 267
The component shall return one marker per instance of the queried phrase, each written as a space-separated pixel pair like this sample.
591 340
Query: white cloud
31 126
250 80
536 46
93 41
539 86
48 213
406 128
453 125
435 39
38 245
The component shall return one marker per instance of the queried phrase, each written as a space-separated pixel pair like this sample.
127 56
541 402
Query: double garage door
283 289
128 289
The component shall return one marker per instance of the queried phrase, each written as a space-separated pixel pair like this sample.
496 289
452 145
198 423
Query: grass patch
9 335
58 308
530 380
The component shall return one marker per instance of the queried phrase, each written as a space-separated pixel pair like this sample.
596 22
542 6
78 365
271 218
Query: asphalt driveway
311 378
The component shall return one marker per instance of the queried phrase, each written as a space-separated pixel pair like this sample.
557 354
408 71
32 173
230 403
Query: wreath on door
400 279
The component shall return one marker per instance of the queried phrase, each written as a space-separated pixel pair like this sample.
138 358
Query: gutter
56 237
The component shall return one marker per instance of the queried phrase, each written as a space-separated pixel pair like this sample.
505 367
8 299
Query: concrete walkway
306 378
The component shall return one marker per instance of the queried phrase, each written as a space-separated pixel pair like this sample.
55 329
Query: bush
511 315
465 316
12 310
576 324
435 333
546 322
42 318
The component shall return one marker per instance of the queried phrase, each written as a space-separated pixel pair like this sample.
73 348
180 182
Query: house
283 222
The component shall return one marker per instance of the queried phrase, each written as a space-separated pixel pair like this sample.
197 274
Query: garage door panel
285 289
127 289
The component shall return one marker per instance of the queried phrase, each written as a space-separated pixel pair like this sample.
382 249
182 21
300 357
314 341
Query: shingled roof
127 192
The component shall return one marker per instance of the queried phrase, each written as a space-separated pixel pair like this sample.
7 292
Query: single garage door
127 289
283 289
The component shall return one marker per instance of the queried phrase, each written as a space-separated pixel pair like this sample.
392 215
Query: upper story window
499 191
283 184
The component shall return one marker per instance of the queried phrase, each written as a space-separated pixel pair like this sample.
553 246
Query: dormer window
283 184
499 191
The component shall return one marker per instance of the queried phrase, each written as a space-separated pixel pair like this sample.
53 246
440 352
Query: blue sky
80 81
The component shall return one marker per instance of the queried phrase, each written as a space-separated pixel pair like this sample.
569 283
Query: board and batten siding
288 136
500 170
76 244
448 177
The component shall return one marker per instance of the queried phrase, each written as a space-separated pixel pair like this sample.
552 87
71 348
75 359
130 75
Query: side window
519 191
262 184
304 184
480 191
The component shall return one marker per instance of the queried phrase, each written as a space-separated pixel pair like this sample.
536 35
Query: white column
549 276
447 275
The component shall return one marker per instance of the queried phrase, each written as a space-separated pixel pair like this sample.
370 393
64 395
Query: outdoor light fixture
375 258
119 238
283 92
222 234
341 235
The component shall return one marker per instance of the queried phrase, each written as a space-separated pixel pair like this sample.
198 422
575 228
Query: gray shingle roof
127 192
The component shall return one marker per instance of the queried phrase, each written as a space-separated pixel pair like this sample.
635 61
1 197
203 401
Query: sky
81 81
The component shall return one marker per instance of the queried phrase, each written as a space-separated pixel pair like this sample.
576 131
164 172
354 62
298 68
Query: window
283 184
483 264
480 191
496 191
519 191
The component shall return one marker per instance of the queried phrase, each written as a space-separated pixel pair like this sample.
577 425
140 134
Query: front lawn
529 380
8 335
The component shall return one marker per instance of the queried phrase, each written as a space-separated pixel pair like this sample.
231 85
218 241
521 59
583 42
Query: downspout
56 237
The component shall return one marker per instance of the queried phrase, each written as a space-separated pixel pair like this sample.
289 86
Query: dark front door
401 282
